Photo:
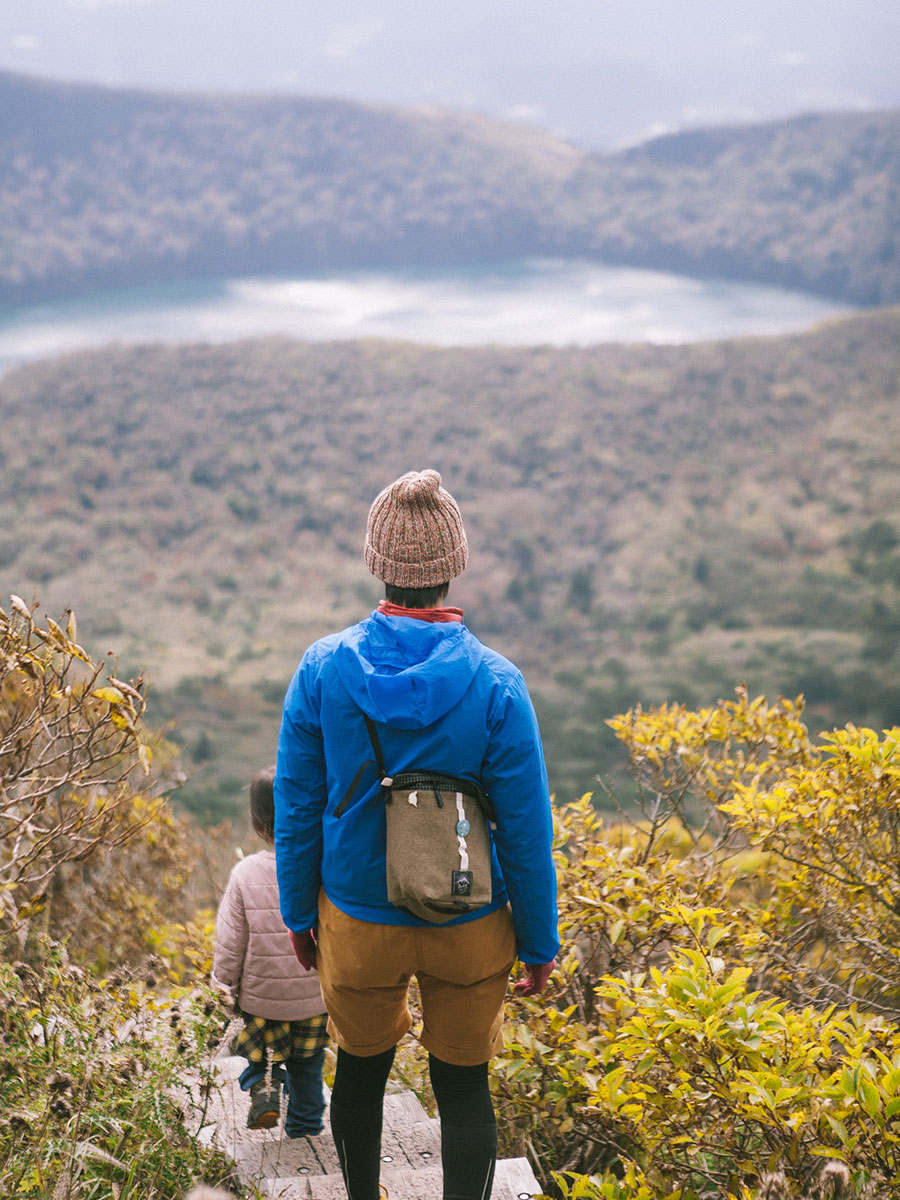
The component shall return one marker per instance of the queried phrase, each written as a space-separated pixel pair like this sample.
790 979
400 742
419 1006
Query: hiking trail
308 1169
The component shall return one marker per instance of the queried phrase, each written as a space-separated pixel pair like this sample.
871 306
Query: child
284 1035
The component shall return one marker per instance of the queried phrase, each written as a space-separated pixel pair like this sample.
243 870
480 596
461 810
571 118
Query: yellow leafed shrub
724 1020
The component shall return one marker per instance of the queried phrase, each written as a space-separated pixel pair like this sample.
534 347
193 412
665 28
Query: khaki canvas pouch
438 848
438 852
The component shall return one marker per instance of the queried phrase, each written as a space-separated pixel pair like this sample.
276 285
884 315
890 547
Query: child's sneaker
265 1107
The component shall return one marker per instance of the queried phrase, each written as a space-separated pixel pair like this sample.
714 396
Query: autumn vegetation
103 187
726 1019
107 1025
723 1024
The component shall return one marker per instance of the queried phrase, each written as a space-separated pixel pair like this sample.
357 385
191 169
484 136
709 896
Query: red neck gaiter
444 613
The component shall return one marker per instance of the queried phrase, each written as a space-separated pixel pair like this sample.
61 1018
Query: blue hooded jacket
442 701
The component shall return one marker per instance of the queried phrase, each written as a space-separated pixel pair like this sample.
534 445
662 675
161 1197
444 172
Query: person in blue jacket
440 700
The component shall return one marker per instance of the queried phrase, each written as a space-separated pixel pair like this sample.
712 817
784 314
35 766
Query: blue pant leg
255 1073
306 1099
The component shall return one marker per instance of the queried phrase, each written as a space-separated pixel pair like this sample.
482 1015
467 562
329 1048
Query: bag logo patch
462 884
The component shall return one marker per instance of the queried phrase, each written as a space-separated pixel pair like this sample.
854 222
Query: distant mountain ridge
600 75
812 202
105 187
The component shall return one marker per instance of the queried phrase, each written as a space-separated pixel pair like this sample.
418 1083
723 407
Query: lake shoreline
514 302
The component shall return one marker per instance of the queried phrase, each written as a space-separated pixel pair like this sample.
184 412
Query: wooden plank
308 1168
276 1156
411 1145
513 1180
401 1108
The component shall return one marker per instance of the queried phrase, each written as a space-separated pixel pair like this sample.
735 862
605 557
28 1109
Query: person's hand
305 948
536 976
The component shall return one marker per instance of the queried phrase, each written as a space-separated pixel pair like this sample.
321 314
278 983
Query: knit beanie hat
415 536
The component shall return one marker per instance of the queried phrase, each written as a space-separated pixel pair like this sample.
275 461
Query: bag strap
376 746
378 762
412 779
354 783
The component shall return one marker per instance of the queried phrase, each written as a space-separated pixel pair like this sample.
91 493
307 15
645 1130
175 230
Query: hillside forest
646 523
105 187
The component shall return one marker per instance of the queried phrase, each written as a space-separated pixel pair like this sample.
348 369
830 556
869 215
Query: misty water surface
538 301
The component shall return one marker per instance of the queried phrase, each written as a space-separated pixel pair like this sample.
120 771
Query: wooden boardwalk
308 1169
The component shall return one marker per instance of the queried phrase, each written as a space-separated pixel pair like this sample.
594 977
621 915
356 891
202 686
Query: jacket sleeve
515 777
300 799
232 934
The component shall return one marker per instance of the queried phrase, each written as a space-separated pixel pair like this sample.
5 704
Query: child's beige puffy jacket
253 956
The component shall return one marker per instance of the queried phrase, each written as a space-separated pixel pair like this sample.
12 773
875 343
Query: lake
525 302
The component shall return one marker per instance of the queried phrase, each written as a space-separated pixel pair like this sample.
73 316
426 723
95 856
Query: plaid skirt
262 1038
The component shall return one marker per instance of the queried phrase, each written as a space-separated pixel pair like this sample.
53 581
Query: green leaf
869 1097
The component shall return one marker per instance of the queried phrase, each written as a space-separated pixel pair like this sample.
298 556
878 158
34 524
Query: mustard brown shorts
462 972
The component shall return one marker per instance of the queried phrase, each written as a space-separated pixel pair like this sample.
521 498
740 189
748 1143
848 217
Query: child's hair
262 803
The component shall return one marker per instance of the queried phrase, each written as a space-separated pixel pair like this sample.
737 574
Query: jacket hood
406 672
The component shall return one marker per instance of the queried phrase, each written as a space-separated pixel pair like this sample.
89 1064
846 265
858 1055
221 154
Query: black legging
468 1128
356 1103
468 1125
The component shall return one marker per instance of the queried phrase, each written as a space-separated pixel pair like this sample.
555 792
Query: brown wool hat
415 536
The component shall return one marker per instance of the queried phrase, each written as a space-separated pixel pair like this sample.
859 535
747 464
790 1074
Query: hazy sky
600 72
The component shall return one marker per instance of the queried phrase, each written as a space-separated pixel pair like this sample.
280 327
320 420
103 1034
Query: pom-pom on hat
415 536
